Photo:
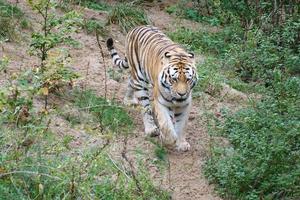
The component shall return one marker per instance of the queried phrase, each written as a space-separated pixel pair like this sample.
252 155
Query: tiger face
179 75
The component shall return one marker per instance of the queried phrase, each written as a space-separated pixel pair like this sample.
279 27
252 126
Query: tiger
159 65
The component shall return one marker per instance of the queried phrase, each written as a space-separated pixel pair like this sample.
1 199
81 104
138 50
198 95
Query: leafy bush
127 16
262 160
181 10
255 58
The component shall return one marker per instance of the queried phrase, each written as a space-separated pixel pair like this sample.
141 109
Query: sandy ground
184 176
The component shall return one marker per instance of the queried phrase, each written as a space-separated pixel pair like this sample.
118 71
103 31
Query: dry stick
102 55
86 75
29 172
169 173
131 171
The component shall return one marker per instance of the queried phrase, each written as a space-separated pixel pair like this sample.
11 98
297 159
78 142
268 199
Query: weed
11 20
93 25
96 5
92 4
110 115
210 80
127 16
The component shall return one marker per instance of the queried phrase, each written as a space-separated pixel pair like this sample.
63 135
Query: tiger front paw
183 146
152 131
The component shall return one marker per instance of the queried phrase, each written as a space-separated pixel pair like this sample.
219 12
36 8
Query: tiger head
179 74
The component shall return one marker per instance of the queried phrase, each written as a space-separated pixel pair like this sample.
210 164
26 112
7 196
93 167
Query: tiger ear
167 55
191 55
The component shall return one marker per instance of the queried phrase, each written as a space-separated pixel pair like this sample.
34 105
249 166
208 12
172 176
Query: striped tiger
156 61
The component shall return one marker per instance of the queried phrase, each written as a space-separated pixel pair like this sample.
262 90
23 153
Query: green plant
210 79
181 10
110 115
41 165
262 160
11 20
93 25
215 43
92 4
96 5
127 16
43 42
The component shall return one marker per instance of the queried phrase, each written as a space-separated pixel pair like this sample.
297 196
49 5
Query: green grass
36 163
66 5
182 11
11 20
49 169
127 16
95 5
109 114
93 25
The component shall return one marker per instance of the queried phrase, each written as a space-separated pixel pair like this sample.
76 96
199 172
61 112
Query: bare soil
183 174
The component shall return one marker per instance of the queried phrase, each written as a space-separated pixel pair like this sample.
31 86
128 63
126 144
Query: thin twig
117 167
102 55
29 172
131 170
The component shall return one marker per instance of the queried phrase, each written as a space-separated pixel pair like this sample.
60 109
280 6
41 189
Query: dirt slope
184 176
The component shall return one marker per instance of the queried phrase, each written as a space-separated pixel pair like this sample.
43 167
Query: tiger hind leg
130 98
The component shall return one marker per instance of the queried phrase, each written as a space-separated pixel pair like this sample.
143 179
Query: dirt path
184 176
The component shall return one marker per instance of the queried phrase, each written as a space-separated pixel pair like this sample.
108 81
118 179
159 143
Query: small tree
55 29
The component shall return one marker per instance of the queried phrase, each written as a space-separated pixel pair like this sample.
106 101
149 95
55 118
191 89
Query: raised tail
121 63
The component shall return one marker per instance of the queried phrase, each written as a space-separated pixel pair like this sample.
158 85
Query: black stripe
164 97
137 86
177 114
117 59
143 88
165 86
140 79
143 98
113 54
143 34
150 37
164 48
123 65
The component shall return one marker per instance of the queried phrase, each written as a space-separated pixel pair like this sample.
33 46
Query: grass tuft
127 16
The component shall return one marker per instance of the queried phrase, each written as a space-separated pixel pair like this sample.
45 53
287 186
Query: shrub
262 160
